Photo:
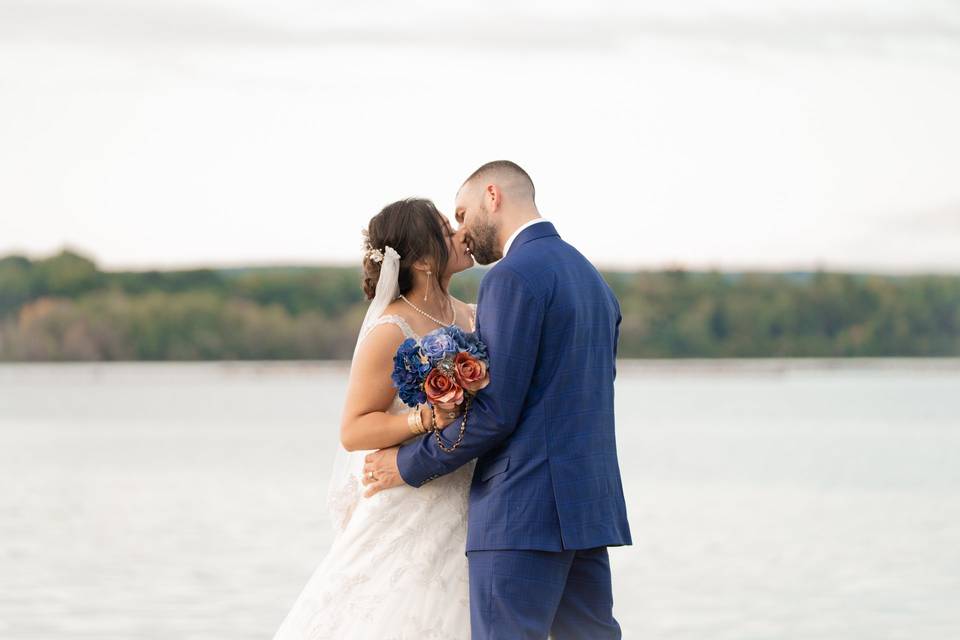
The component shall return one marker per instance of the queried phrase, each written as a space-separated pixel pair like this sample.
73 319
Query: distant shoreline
65 308
624 365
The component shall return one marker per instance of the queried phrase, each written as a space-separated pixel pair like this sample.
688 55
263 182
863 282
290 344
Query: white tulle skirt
396 571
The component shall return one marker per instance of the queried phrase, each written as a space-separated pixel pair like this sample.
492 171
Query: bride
397 567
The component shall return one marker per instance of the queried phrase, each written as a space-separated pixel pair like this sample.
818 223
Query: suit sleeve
509 322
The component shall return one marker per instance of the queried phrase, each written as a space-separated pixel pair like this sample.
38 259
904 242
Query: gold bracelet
412 421
433 419
420 428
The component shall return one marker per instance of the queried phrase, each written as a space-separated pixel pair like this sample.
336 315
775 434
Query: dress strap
395 320
473 318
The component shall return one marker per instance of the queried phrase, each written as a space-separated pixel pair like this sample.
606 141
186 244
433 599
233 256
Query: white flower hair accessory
377 255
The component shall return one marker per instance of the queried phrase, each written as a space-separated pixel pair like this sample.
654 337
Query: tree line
64 307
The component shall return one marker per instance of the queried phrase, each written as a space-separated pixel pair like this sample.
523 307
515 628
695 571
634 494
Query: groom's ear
493 197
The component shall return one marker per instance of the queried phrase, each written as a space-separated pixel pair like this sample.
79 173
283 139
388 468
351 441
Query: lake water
768 500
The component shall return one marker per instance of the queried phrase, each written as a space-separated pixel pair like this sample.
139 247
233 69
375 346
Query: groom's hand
380 471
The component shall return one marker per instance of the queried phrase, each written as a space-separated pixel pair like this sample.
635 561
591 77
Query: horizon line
815 266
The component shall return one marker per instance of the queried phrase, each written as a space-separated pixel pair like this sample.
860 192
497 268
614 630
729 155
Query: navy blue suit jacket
547 475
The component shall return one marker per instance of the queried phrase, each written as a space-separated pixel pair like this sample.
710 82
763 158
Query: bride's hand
443 417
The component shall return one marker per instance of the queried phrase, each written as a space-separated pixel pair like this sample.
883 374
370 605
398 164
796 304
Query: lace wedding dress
397 568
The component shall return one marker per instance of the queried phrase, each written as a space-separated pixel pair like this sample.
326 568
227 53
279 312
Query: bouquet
445 369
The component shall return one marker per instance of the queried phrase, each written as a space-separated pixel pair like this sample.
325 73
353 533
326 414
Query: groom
546 499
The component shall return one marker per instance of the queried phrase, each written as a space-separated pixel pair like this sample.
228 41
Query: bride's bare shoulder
381 340
396 308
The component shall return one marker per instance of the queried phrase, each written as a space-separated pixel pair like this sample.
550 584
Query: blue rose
437 344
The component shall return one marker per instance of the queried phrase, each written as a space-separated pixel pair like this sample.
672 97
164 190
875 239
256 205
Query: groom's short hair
507 171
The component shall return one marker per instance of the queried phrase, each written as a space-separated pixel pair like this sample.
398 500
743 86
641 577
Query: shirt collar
513 236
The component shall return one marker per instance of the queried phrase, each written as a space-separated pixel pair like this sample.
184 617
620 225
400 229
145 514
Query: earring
427 290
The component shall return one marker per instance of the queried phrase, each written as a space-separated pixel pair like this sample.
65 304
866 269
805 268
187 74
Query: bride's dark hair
414 229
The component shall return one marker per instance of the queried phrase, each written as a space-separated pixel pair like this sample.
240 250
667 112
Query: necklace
427 315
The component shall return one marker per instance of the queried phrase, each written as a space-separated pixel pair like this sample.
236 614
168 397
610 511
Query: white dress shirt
513 236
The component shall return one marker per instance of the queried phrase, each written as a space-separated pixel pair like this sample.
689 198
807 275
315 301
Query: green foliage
64 308
16 286
788 315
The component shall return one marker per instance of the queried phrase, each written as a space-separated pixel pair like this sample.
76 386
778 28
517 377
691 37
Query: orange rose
443 392
470 373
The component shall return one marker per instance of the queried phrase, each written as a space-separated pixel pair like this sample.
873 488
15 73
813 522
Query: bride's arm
366 424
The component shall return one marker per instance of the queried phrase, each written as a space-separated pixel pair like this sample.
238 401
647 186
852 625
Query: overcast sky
767 134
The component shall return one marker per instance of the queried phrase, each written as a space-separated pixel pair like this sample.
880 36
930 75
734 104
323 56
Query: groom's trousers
521 595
